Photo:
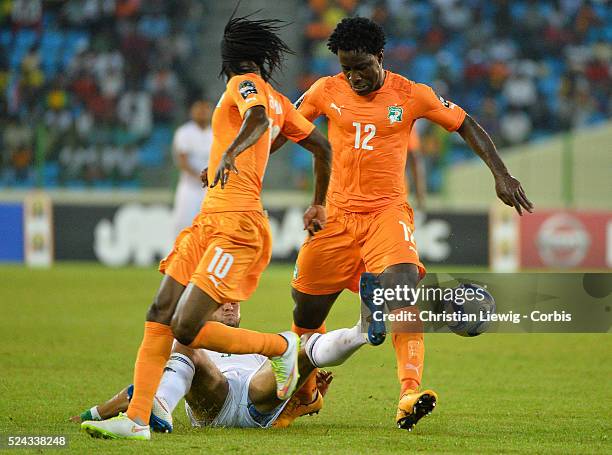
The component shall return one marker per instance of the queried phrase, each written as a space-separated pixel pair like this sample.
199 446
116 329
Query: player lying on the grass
221 256
225 390
370 226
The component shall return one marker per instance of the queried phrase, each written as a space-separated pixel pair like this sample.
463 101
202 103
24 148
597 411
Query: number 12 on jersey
408 236
369 130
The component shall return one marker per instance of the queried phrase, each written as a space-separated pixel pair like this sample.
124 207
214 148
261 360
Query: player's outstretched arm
318 145
508 188
255 124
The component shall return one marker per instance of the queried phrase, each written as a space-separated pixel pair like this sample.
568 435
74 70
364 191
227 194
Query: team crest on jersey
395 114
247 88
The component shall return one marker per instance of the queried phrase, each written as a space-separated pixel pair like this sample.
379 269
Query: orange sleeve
296 127
246 90
309 104
436 109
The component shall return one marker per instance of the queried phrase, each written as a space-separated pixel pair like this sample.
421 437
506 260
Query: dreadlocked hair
253 40
357 34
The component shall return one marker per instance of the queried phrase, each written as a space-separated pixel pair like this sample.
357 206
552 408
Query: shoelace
278 370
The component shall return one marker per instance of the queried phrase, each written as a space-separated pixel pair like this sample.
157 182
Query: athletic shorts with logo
353 243
222 253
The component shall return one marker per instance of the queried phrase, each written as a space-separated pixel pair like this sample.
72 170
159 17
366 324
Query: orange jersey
370 136
242 192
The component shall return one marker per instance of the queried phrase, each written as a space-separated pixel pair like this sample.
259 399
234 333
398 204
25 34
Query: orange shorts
222 253
353 243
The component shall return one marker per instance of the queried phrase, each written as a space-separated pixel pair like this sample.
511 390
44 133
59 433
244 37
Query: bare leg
309 314
310 311
119 403
111 408
164 304
194 308
209 387
262 390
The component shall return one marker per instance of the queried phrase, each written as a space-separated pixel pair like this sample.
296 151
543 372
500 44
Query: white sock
335 347
95 415
176 380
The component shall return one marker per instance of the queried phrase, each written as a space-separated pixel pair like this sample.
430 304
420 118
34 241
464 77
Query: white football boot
285 367
120 427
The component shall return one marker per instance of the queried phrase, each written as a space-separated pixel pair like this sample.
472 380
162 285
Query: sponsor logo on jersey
395 114
247 88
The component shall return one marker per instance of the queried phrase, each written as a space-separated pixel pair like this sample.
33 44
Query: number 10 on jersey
219 266
369 131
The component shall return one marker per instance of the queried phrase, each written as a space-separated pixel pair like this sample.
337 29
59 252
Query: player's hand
227 165
314 219
204 177
510 191
324 379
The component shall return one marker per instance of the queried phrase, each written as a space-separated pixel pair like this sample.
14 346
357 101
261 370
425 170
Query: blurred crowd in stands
523 68
91 90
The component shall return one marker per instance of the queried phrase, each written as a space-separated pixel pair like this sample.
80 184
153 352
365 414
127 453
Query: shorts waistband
261 418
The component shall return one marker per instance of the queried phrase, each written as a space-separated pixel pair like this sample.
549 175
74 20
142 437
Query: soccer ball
472 304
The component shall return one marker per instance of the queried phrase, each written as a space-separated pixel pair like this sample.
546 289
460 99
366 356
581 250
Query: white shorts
238 411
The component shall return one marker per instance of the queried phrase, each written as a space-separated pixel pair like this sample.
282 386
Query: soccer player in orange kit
370 114
220 258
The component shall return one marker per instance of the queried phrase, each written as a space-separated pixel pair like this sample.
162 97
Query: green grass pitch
70 335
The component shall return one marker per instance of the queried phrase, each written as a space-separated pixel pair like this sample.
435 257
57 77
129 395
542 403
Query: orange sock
221 338
409 351
308 389
152 357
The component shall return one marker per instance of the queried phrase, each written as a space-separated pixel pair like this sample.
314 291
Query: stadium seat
153 151
5 37
423 68
50 173
25 38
